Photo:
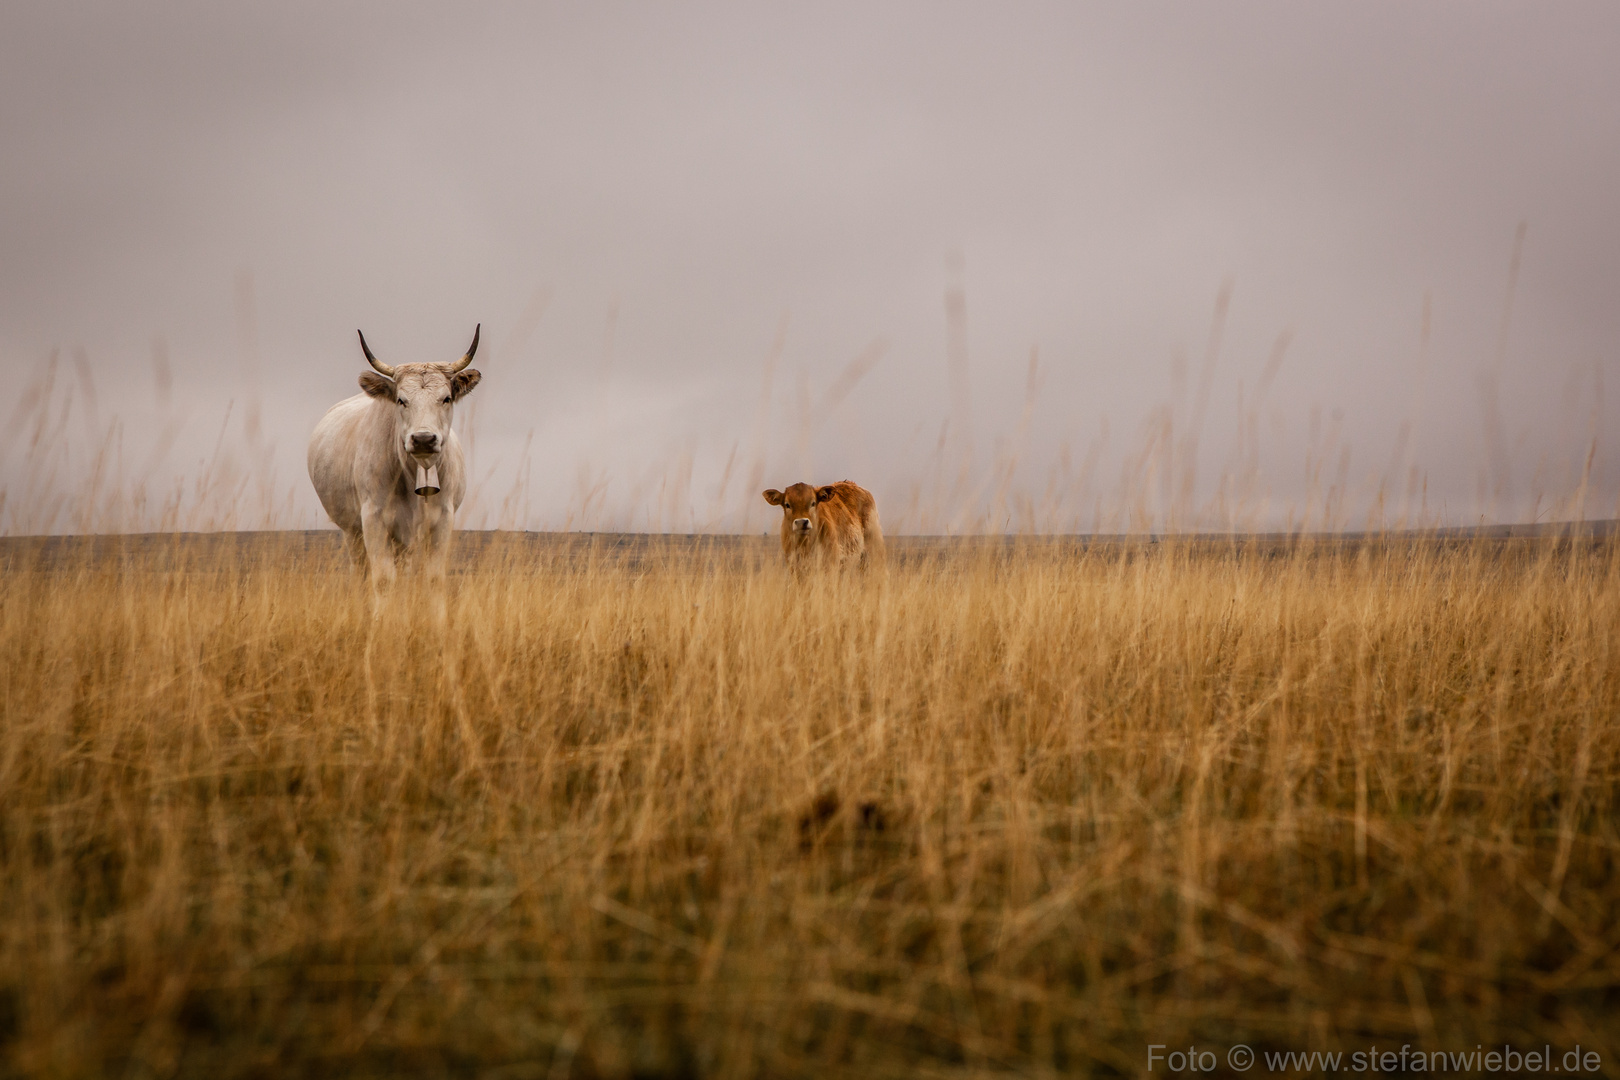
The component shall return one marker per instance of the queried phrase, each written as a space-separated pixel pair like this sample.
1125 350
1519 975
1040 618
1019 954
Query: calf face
801 509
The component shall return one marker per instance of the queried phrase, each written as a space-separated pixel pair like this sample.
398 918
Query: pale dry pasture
1018 808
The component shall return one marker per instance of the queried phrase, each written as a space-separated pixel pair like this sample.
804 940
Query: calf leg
873 555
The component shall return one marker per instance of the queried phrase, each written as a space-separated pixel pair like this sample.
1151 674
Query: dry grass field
1020 810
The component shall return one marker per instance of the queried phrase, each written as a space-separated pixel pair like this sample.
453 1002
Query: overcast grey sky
687 228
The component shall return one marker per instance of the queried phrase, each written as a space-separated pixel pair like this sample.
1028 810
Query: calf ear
823 494
462 383
774 497
375 385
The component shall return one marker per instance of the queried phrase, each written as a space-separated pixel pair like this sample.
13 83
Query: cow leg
379 546
436 542
355 544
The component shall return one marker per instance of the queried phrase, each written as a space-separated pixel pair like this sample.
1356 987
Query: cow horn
382 368
465 360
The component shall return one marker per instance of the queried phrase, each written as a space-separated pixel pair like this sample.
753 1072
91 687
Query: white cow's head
423 396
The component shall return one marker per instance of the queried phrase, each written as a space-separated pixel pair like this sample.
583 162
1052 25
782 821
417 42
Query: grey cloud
703 170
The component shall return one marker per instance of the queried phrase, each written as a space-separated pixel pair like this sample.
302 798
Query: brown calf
828 525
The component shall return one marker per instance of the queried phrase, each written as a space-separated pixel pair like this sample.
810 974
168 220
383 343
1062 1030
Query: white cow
387 467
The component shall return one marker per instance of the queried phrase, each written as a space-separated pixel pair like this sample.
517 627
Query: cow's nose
424 442
801 524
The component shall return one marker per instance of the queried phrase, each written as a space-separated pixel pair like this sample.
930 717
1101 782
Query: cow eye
402 401
446 400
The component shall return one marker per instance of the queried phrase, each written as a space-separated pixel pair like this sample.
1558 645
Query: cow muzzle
801 525
427 480
422 442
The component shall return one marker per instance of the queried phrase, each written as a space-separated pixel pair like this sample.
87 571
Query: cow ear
823 494
375 385
462 383
774 497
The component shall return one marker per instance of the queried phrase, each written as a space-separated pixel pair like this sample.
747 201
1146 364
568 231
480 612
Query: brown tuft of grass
1020 811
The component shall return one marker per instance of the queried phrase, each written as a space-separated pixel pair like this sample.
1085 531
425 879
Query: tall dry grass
1024 811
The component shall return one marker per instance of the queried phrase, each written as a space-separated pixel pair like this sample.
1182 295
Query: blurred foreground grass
1024 809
